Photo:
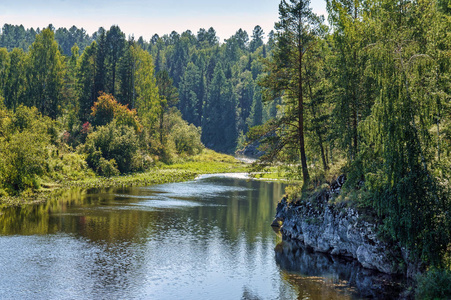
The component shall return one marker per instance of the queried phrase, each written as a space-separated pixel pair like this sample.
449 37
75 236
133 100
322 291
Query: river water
204 239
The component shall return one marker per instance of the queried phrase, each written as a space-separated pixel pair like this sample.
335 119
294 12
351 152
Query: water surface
204 239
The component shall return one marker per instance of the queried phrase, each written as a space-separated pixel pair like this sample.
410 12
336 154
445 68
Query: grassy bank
207 162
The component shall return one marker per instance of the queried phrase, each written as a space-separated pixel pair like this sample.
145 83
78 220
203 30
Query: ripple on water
199 190
168 241
224 175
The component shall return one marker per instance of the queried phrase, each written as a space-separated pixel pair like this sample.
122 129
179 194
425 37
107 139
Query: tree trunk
305 174
355 110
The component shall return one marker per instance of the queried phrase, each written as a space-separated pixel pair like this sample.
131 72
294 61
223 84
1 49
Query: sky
147 17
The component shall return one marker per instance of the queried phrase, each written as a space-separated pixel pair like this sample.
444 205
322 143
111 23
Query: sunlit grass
207 162
276 173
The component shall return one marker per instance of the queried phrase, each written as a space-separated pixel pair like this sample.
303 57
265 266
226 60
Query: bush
24 142
116 142
435 284
24 118
107 168
25 159
66 165
185 137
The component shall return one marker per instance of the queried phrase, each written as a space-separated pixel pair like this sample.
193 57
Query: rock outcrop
339 230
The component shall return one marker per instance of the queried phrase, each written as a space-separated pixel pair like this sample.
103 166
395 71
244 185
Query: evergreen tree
126 68
245 93
297 30
15 86
4 69
46 74
191 94
101 71
257 38
168 98
219 119
256 115
86 81
114 46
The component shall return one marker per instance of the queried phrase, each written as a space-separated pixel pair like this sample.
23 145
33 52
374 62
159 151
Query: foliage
396 136
46 71
24 151
147 97
370 97
106 109
113 146
219 126
65 165
106 62
434 284
186 136
297 31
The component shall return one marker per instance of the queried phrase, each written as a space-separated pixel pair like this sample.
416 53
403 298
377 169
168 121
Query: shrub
434 284
66 165
25 159
107 168
185 137
25 138
103 109
116 142
24 118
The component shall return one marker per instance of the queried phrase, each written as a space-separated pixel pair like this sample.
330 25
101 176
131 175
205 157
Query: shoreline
184 171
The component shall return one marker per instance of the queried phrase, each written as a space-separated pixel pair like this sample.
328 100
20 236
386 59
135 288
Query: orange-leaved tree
107 109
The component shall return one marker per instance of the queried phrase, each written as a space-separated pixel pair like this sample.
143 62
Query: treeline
60 118
16 36
215 84
371 94
121 105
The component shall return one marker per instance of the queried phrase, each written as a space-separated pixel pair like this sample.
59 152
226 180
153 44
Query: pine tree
46 74
15 86
114 45
297 29
86 80
191 94
257 38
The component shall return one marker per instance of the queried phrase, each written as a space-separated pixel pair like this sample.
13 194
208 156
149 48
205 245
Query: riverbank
207 162
324 223
338 229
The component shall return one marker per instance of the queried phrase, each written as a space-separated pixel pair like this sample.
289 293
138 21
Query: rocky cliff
339 230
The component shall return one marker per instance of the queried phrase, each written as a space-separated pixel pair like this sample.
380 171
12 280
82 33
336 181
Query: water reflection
204 239
319 276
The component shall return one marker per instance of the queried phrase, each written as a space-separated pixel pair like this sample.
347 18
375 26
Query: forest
366 94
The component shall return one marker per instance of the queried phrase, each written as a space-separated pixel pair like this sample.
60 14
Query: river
204 239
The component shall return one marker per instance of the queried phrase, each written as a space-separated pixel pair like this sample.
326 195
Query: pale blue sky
146 17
